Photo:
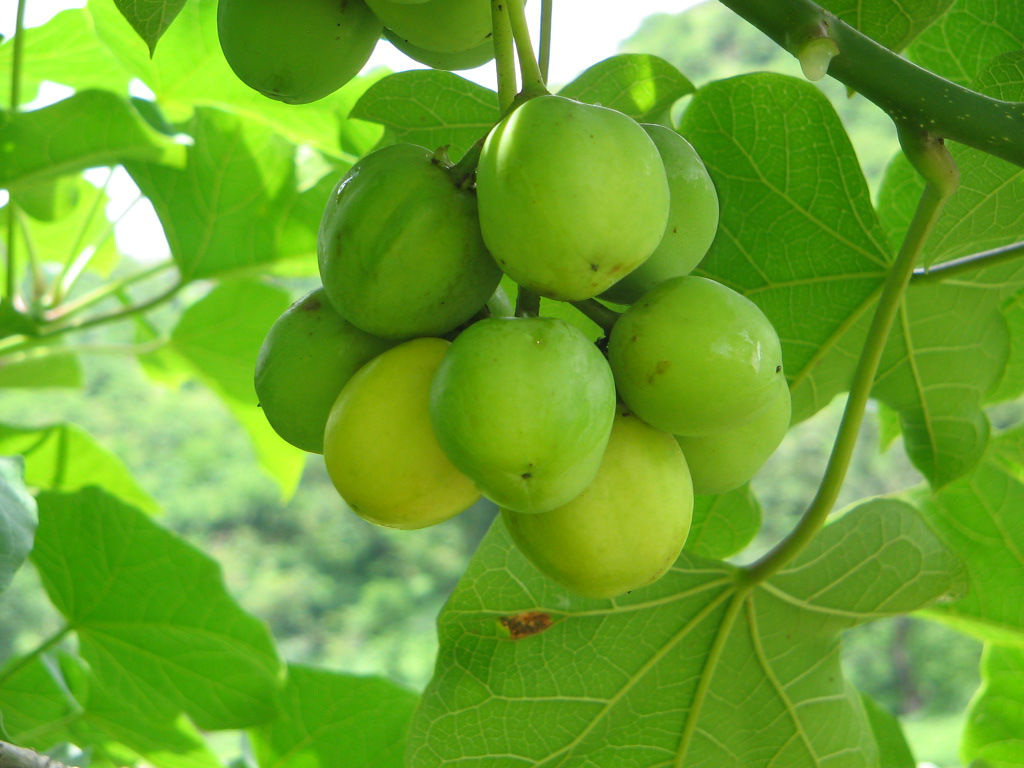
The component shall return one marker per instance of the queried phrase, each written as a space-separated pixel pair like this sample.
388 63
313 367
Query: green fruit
379 446
572 196
626 529
524 406
306 358
468 59
445 26
693 357
726 460
692 218
400 249
296 51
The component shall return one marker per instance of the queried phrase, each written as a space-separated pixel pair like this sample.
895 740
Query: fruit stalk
504 55
939 187
533 80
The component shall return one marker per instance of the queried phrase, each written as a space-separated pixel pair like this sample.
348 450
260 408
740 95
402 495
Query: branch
968 264
909 94
19 757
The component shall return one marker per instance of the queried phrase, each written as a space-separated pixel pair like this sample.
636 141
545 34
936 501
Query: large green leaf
225 209
979 517
694 670
36 706
88 129
972 32
150 18
893 23
153 619
220 337
642 86
38 368
893 750
798 235
64 457
993 733
17 519
431 108
948 346
326 714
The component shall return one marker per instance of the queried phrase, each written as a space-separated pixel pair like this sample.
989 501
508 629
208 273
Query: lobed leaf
91 128
153 619
638 84
431 108
798 234
325 714
992 733
64 457
695 670
17 520
978 517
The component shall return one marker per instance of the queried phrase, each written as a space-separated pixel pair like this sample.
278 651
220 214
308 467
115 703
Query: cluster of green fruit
424 395
302 50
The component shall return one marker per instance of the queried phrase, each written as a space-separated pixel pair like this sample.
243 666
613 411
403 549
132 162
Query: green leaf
724 524
64 457
971 33
326 714
150 18
17 520
893 23
88 129
979 518
949 345
38 368
893 750
37 707
694 670
638 84
225 209
65 50
798 234
220 336
1011 384
431 108
153 619
993 730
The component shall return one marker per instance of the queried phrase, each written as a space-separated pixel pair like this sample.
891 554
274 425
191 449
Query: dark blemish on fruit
659 369
675 230
778 369
526 475
312 305
525 624
594 267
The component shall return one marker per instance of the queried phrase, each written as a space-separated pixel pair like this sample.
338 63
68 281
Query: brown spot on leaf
525 624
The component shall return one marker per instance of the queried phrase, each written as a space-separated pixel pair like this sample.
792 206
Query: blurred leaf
220 336
728 676
430 108
50 199
967 36
225 209
64 457
979 518
326 714
88 129
892 23
993 731
39 368
150 17
1011 384
724 524
152 617
638 84
17 519
798 235
36 705
948 346
893 750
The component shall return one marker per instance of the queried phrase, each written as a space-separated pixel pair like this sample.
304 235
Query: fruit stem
931 158
968 264
11 280
533 80
544 62
598 312
462 171
504 55
527 303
